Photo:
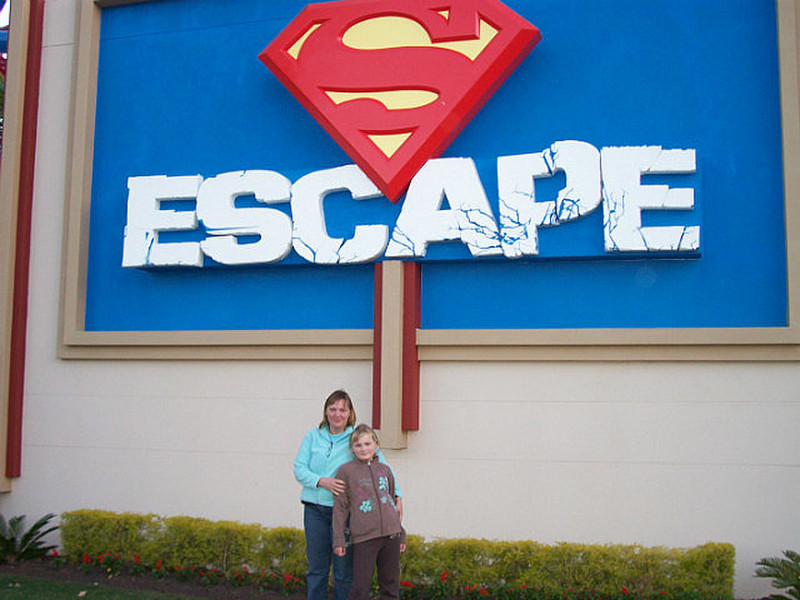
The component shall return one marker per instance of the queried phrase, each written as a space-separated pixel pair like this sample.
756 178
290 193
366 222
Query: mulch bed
49 569
166 585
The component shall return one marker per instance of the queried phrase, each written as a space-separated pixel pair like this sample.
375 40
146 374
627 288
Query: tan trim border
77 343
738 344
310 344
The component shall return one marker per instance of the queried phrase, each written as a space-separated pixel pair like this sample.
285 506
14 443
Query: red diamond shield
394 82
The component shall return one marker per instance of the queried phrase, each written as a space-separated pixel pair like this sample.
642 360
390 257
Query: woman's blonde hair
332 399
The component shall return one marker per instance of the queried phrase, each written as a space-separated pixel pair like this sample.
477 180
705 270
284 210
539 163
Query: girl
369 500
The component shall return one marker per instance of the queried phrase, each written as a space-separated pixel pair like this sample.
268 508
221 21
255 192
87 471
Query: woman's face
337 414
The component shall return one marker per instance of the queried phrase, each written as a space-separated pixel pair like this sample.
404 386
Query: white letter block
624 198
521 215
469 219
224 222
310 238
146 218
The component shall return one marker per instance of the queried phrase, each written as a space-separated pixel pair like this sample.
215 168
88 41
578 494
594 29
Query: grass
29 588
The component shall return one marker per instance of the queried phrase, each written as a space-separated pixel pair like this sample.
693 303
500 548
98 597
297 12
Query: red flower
624 590
87 559
55 553
444 576
158 565
136 559
484 592
406 584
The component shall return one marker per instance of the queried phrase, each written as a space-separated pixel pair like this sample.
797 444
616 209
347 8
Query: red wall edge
16 379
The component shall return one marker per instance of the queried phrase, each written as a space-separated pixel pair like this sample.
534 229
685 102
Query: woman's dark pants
318 521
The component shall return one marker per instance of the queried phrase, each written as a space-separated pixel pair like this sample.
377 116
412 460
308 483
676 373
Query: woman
323 451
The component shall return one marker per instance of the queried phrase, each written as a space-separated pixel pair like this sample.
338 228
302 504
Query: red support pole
412 305
376 346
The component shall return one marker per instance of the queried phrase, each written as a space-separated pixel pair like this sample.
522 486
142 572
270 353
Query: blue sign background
181 92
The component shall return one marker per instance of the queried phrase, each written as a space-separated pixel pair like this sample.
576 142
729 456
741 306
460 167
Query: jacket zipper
377 497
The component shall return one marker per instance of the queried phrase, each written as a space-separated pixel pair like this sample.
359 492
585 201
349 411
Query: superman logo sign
395 82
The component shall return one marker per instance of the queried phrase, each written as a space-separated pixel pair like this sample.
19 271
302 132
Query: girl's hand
402 548
398 502
334 486
341 550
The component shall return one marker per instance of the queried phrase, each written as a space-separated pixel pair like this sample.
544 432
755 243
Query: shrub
98 532
702 572
193 541
182 541
431 569
18 544
282 549
784 572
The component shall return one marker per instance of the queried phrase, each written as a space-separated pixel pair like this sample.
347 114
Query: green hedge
705 571
701 572
182 541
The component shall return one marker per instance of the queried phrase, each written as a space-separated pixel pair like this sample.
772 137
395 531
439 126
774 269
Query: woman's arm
341 510
397 491
304 473
302 463
398 502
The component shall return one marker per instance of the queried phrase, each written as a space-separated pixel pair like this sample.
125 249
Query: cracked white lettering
261 233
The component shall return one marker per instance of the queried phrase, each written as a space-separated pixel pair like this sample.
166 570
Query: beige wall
657 453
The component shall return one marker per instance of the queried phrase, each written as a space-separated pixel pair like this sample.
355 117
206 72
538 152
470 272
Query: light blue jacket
320 455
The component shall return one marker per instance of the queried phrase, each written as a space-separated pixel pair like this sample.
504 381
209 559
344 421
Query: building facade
584 389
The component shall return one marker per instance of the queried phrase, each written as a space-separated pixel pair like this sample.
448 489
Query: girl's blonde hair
361 430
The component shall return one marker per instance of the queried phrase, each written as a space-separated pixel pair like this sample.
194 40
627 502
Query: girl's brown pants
383 553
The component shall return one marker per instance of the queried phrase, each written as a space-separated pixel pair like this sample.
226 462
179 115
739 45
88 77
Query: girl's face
337 414
364 447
